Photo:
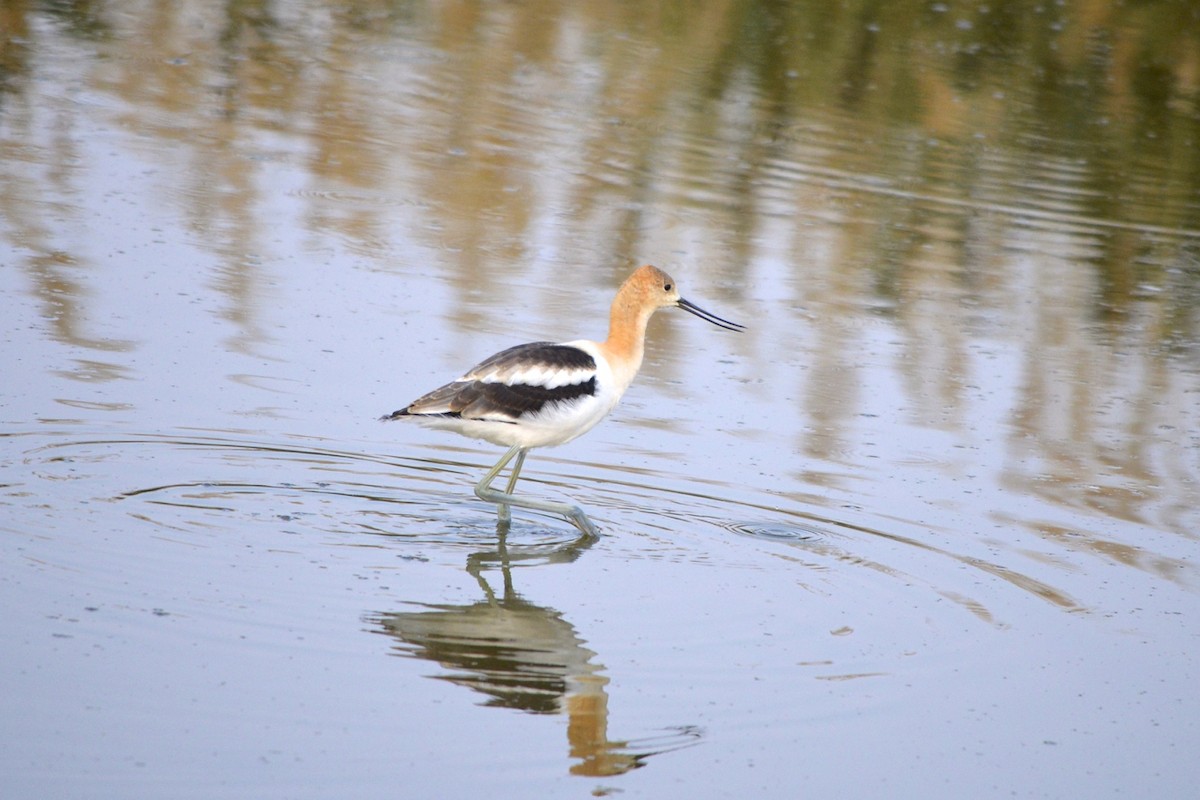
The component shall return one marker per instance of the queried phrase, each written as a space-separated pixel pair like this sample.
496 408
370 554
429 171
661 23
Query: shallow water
928 527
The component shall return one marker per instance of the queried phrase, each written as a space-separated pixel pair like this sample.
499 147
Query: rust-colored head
649 289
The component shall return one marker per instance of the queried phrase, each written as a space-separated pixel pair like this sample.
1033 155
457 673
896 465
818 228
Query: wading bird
543 394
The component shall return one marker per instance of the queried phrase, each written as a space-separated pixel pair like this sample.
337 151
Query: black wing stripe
489 400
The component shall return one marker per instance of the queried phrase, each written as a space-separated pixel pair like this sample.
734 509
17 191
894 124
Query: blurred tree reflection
1029 165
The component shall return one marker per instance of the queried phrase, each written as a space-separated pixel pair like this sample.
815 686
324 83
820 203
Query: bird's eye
666 287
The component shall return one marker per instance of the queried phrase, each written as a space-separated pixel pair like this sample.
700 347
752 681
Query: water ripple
424 506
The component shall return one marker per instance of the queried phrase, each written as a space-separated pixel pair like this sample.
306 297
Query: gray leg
484 491
516 470
502 510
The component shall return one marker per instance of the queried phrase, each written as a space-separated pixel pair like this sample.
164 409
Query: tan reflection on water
1010 171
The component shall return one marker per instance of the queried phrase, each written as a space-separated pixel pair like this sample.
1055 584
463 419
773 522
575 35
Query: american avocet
543 394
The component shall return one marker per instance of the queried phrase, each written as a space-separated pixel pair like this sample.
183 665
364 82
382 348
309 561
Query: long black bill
708 316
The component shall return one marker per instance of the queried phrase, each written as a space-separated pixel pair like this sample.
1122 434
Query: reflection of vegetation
84 19
1110 86
944 158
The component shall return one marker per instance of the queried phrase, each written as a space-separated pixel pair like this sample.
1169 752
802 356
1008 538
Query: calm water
929 527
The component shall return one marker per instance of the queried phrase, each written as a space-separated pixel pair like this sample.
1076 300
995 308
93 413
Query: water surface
928 527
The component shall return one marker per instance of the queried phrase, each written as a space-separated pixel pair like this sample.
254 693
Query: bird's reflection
526 657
